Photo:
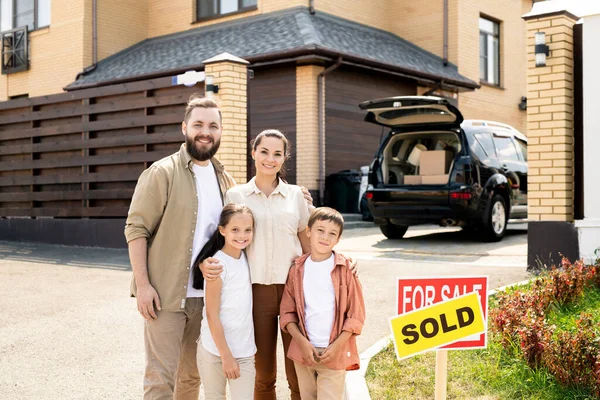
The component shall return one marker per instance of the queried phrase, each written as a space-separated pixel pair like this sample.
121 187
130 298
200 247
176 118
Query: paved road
69 331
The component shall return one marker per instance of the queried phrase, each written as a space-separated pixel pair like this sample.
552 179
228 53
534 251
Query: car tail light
460 196
369 195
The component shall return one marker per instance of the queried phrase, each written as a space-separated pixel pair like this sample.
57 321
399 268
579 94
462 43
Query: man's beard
201 154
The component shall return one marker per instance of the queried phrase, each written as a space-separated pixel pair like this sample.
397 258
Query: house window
213 8
16 13
489 51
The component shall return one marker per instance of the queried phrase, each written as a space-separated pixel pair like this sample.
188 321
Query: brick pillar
230 74
550 120
550 141
307 126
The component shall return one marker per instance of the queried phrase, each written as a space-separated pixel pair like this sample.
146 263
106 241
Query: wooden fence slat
128 176
68 195
118 141
65 212
80 161
122 88
130 122
114 106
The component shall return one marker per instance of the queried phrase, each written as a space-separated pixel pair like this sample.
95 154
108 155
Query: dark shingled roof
274 35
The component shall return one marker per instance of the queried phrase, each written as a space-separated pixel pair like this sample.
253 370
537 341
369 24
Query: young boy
324 310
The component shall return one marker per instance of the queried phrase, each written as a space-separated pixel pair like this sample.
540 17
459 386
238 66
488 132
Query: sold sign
437 325
418 292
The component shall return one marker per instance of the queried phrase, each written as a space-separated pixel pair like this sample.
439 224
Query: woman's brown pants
266 300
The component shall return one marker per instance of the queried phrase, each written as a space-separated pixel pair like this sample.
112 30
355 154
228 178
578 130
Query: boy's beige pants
320 382
170 341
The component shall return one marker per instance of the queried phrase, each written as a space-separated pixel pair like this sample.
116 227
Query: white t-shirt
210 206
319 300
235 309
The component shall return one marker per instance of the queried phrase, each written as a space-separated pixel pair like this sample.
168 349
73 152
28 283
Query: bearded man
174 210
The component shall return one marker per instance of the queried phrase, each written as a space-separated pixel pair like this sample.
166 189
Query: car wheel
392 231
496 220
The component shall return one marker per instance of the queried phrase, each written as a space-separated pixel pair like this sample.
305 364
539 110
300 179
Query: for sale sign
436 325
415 293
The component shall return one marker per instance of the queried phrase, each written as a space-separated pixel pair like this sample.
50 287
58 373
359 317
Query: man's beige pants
171 370
211 370
320 382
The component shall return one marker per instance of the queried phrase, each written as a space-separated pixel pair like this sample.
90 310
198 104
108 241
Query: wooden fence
79 154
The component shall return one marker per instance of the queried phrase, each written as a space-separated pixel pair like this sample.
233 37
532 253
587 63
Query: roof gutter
321 105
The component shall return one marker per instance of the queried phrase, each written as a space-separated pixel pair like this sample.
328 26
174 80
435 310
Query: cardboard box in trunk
435 162
412 179
434 179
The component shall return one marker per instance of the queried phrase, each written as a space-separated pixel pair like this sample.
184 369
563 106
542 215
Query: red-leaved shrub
520 319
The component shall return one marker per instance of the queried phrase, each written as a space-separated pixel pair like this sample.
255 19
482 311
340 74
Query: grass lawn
492 373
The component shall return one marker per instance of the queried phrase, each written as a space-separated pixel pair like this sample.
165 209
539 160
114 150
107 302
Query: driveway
68 330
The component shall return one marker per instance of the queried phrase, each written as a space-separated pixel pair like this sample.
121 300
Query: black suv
433 167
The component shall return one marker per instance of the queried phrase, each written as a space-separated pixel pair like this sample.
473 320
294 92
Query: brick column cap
545 9
225 57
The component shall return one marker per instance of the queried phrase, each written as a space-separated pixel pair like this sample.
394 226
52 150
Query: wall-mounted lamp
541 49
523 103
210 88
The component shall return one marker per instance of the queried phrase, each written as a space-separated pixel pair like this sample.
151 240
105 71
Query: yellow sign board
437 325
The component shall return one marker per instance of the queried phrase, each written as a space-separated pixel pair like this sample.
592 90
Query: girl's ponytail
214 244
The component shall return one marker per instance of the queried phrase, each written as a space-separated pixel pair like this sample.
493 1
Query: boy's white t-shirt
235 309
319 300
210 206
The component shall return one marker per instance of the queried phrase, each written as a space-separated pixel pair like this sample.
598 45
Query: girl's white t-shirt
235 310
319 300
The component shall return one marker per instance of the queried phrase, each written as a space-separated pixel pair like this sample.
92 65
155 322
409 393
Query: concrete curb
356 385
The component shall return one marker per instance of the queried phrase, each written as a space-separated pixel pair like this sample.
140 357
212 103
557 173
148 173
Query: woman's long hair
286 149
216 241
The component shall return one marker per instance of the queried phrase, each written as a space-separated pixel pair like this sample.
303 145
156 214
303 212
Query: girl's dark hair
286 148
216 241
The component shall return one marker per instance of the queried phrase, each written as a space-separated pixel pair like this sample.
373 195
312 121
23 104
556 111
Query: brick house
311 62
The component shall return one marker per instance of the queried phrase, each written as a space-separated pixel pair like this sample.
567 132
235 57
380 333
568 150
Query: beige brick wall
428 33
493 103
550 121
166 17
307 122
121 24
374 13
233 101
57 53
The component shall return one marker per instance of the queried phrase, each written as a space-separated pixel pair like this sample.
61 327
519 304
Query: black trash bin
342 190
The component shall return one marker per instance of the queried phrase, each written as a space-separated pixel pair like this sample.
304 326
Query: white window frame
38 7
240 8
489 51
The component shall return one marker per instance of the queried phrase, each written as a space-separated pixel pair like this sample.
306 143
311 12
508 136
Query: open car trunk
419 159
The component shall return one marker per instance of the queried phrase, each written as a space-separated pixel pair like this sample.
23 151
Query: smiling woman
281 216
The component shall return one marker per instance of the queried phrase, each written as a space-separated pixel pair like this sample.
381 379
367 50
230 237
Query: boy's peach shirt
349 310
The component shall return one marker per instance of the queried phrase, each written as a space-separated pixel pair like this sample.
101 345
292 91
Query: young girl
226 347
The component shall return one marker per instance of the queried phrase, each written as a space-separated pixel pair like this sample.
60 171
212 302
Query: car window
523 147
478 150
486 143
505 148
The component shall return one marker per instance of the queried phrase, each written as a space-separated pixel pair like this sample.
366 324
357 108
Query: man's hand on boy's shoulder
211 268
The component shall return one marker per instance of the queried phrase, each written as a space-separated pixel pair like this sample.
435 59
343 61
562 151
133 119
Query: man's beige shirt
164 210
278 219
